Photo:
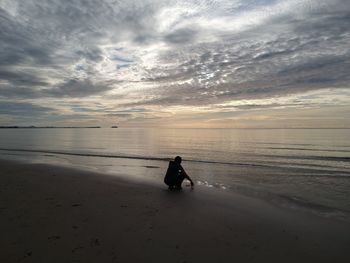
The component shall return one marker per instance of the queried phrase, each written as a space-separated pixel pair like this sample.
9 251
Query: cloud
172 53
23 109
181 36
77 88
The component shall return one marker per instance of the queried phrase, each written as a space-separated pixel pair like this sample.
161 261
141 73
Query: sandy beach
56 214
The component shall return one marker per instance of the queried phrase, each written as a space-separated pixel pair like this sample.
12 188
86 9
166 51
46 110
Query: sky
175 64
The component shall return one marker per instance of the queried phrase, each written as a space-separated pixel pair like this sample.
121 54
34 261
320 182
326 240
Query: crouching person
176 174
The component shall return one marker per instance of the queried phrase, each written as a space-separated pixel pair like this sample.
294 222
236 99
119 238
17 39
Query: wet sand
55 214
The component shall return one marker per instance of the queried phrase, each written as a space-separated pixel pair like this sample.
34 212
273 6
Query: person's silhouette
176 174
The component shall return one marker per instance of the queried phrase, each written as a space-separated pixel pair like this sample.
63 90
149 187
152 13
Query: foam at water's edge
283 200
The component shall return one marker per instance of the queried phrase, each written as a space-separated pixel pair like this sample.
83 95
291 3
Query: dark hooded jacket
174 174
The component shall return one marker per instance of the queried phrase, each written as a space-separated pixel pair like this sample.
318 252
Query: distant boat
114 126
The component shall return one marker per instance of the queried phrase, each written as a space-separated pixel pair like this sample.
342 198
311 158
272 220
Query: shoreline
150 170
59 214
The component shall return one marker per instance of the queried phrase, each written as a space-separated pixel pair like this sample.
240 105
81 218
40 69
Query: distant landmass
48 127
114 126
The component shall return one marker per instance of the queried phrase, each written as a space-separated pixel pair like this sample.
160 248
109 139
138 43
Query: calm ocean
306 169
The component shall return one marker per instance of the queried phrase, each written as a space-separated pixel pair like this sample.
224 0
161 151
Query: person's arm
187 177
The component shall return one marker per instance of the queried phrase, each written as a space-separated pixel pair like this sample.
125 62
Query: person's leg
178 186
169 183
179 182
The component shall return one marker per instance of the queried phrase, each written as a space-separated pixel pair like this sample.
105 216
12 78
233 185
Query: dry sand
56 214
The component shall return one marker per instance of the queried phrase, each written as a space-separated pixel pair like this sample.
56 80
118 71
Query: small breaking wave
152 158
307 149
257 164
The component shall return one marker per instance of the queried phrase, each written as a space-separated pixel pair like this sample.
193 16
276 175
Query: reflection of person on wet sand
176 174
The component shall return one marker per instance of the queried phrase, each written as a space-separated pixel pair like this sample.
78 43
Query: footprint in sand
77 248
53 237
151 212
94 242
28 254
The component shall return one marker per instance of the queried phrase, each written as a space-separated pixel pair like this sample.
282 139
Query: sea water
296 168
